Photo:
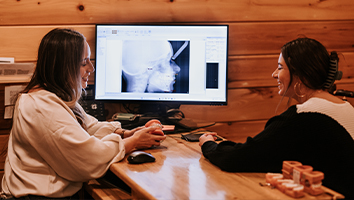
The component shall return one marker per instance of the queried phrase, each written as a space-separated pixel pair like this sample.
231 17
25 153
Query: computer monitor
163 64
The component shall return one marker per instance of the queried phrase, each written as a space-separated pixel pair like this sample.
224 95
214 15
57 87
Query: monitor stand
168 114
187 124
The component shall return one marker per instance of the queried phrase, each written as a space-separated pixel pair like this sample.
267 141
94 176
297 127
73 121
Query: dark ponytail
309 60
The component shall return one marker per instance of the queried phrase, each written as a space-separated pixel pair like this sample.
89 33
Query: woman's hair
308 60
60 56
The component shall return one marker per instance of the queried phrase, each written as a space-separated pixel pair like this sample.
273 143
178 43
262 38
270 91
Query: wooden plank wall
258 29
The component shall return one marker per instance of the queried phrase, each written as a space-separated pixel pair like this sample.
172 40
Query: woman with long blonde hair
54 146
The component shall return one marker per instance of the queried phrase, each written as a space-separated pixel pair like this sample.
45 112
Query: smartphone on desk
194 136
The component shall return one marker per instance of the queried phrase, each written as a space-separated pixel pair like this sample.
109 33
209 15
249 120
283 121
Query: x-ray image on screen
212 76
155 66
181 58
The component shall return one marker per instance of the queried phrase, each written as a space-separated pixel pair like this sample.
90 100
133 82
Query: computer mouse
138 157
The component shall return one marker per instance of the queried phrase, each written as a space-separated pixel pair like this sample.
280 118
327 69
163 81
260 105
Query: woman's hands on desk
128 133
142 138
207 137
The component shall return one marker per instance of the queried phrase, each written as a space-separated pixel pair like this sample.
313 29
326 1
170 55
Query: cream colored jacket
49 154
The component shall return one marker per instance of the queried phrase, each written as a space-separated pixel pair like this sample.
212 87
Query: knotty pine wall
258 29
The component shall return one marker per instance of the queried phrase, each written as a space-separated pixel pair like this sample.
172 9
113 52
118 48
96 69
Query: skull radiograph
148 67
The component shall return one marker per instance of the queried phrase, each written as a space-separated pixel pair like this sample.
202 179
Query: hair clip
333 73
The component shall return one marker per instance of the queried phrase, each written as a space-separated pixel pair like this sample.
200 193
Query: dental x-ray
155 66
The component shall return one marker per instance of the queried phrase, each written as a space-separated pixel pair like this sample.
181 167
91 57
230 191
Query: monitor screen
184 64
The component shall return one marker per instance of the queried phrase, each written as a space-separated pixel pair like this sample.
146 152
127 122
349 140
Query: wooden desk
181 172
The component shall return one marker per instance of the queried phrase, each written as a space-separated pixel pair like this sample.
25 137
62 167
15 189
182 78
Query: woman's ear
295 80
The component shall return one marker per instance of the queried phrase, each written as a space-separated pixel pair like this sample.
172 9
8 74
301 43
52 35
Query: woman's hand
142 139
146 139
129 133
207 137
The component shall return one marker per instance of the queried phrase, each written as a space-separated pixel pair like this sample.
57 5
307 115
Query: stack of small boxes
297 179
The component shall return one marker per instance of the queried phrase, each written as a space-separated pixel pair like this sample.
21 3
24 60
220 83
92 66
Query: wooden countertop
181 172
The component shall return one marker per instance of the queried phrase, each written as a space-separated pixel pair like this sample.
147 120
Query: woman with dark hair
54 146
318 131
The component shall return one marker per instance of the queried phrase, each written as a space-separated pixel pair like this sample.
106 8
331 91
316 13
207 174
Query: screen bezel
168 102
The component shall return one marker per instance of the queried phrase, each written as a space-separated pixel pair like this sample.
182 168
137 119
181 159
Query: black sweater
311 138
